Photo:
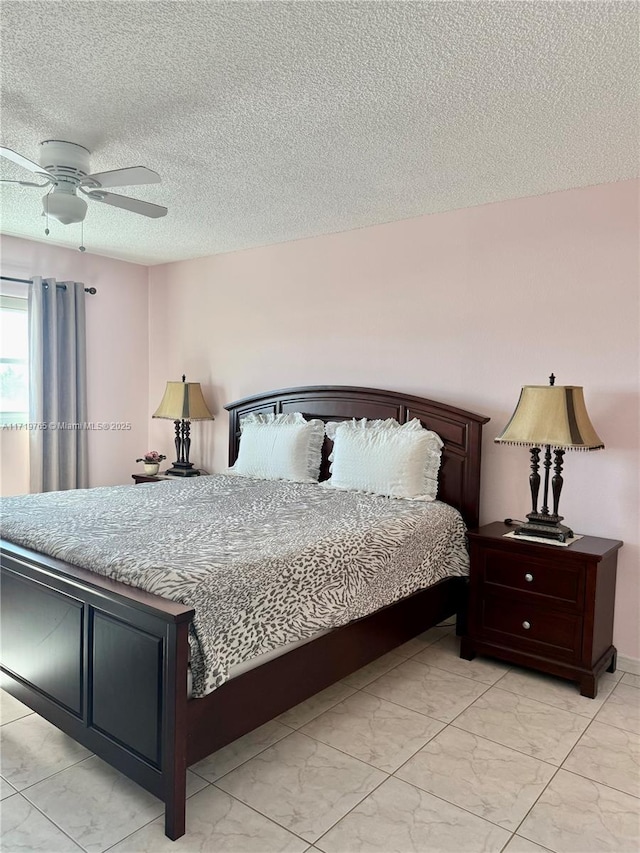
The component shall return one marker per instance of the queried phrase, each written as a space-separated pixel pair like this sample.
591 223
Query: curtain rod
90 290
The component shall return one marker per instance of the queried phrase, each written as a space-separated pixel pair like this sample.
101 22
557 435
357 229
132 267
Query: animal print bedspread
263 563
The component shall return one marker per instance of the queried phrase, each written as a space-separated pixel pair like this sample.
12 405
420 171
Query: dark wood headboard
461 431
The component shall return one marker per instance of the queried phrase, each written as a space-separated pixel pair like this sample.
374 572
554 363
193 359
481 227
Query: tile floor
419 751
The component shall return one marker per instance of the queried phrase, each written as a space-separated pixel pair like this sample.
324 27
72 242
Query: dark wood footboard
107 664
104 662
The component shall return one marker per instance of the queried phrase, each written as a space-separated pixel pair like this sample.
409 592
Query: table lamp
182 403
549 416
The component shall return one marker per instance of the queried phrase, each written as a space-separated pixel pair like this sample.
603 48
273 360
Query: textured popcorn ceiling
271 121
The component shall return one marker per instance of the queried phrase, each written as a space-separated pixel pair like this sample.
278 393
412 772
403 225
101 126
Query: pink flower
151 457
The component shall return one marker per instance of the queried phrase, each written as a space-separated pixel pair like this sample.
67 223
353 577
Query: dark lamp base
183 469
545 524
545 527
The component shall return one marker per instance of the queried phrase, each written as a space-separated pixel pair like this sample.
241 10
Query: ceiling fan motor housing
64 159
68 163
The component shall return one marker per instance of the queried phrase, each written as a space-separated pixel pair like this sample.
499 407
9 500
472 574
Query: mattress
263 563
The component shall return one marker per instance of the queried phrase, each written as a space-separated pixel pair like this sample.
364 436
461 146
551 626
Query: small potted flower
152 460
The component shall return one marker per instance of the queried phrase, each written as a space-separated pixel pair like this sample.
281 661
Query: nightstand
158 478
543 606
145 478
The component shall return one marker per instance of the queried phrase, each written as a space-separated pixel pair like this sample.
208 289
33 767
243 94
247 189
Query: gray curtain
57 386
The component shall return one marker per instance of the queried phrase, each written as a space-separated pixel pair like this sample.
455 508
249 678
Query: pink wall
117 358
464 306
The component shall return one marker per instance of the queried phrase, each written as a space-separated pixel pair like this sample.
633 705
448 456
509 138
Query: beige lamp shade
552 415
183 401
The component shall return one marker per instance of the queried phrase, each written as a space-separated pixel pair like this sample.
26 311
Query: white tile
234 754
11 709
558 691
376 731
33 749
419 643
522 845
373 670
427 690
6 790
194 783
302 784
96 805
25 830
576 815
629 664
608 755
622 709
630 679
215 822
492 781
445 654
315 705
523 724
399 818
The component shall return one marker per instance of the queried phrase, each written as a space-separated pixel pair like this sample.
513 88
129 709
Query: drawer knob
526 625
528 577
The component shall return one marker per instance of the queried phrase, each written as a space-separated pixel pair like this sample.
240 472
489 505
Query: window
14 364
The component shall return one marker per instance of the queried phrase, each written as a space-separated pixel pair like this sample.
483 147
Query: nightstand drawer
555 580
539 630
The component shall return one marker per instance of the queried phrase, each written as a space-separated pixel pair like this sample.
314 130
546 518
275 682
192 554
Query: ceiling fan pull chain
81 247
46 213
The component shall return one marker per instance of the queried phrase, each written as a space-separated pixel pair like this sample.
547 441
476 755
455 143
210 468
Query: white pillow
280 447
386 458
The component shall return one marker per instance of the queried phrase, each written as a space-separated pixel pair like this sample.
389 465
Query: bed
69 635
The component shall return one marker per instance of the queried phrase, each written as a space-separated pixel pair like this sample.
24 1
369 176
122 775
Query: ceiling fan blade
20 160
132 204
24 183
133 176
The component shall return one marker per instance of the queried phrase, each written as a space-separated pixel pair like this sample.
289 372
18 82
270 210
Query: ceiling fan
64 166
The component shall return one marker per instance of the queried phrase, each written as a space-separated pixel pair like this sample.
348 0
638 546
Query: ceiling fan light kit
64 206
65 166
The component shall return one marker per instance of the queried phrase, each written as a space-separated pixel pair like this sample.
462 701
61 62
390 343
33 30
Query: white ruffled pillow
280 447
386 458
